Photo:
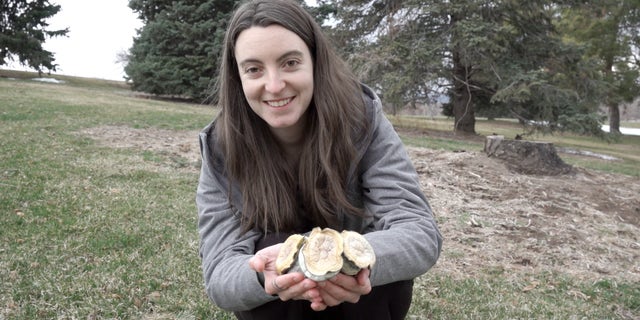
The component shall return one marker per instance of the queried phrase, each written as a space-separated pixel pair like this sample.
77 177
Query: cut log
526 157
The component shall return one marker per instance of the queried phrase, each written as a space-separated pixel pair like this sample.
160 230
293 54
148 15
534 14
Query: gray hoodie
401 227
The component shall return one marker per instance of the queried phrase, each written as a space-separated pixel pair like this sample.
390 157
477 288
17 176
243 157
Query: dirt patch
170 143
585 224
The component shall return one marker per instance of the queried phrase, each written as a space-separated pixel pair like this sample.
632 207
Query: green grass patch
539 296
90 231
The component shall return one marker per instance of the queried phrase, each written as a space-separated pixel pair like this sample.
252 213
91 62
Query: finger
265 259
342 288
364 281
299 291
332 293
328 299
274 283
318 306
258 262
286 286
310 295
344 281
359 284
363 277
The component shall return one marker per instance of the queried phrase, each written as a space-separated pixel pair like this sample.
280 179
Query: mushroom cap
302 266
322 254
288 253
358 250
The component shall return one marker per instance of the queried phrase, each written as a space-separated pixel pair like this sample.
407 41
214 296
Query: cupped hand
344 288
291 286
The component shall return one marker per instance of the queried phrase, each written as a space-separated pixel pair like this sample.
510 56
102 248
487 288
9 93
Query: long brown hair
273 191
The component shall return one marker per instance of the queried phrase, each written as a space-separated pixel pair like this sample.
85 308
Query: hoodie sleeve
405 236
225 251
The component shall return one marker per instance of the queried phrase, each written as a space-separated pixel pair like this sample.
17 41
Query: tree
500 56
177 50
378 39
609 31
23 30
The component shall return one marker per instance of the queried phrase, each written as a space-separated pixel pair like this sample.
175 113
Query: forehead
264 43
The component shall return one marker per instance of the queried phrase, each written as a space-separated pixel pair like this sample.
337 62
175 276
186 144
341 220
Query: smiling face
276 70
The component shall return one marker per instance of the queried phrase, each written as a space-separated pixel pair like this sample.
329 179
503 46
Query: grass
545 296
625 148
89 231
92 232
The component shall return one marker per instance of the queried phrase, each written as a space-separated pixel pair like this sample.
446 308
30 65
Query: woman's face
276 70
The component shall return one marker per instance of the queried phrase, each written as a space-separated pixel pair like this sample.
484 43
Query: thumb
258 262
363 277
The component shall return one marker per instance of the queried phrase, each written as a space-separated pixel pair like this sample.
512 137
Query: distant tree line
552 63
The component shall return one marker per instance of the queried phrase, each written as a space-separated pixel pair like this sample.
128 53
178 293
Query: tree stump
526 157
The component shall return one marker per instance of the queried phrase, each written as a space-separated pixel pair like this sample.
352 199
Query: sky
98 31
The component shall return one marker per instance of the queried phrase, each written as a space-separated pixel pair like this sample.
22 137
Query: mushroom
358 253
287 259
321 257
325 253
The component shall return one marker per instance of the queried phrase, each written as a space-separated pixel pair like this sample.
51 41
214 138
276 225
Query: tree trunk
526 157
614 111
614 118
463 108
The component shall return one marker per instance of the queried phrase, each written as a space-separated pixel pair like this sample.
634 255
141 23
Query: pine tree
495 57
609 30
23 30
177 50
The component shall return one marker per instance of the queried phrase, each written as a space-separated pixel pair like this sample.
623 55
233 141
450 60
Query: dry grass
97 187
584 225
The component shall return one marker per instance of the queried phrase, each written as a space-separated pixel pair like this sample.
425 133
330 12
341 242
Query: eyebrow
285 56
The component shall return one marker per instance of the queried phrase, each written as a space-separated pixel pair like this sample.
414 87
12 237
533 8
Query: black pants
387 302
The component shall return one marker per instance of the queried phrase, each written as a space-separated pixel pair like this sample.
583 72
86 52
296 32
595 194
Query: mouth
279 103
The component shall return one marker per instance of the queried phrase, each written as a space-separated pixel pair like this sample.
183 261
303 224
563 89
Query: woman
299 143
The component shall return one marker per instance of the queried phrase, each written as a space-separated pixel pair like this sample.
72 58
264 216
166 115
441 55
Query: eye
291 63
251 70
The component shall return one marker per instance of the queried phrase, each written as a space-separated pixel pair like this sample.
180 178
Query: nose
275 83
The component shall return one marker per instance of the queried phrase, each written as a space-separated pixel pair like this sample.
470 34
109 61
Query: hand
287 286
343 288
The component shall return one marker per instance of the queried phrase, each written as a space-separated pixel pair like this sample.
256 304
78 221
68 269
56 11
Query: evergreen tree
609 30
499 57
23 30
177 50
